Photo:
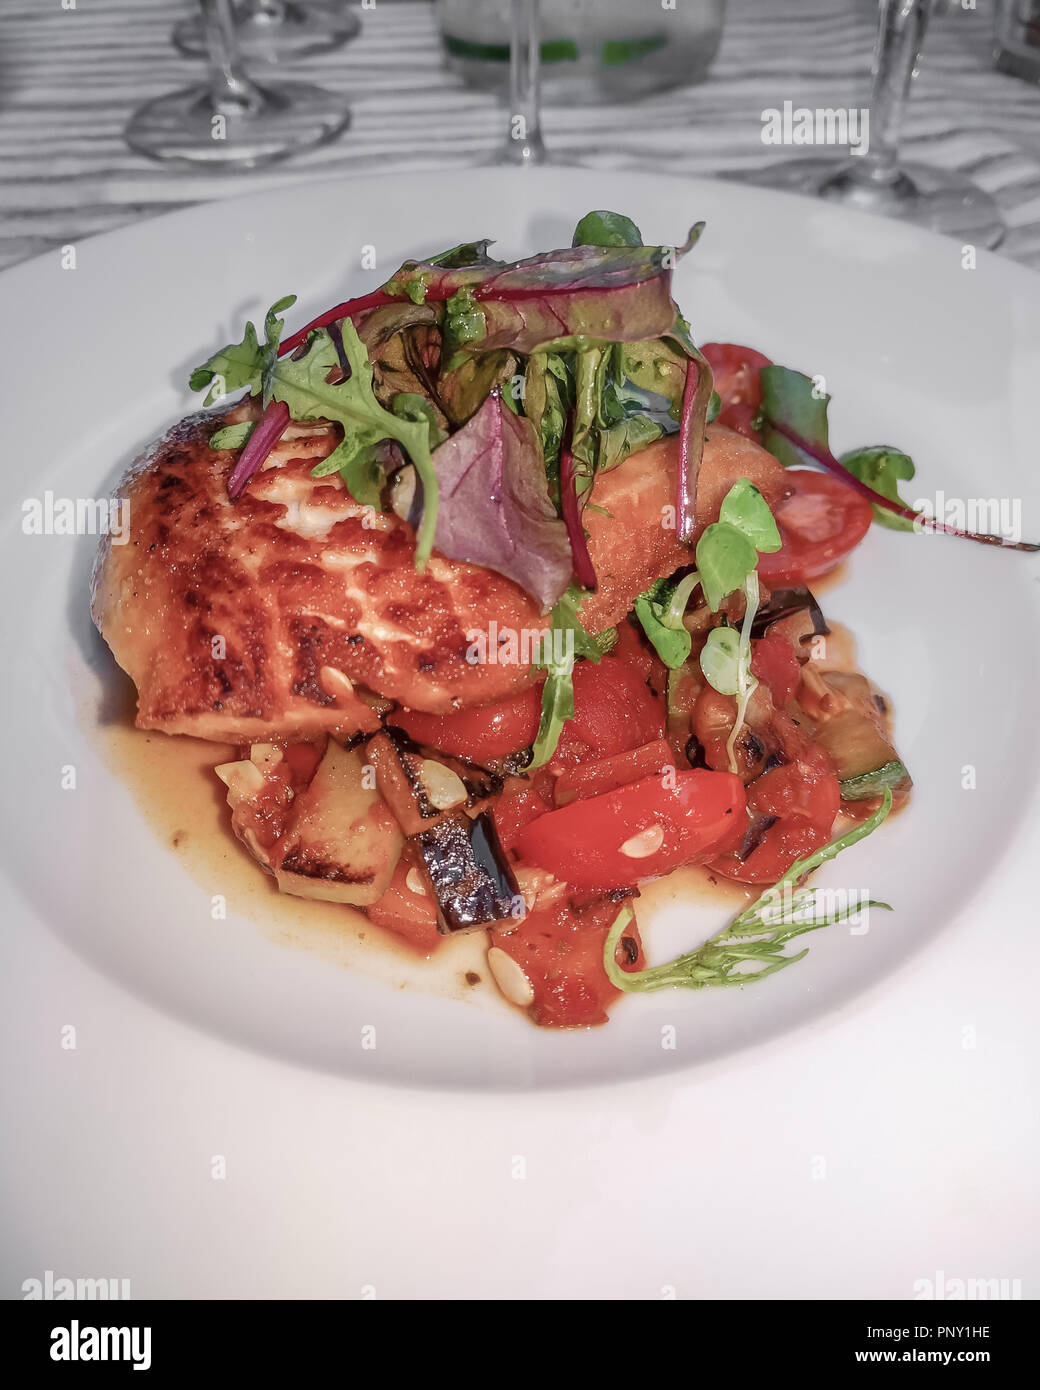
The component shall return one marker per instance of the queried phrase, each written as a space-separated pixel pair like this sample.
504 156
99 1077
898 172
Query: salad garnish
569 313
794 425
558 690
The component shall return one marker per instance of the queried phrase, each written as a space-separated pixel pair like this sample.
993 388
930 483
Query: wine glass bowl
277 31
877 181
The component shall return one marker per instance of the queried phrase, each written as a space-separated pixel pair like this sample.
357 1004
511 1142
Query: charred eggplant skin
472 880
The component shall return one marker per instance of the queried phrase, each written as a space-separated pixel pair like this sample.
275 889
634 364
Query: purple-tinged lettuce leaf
494 503
614 293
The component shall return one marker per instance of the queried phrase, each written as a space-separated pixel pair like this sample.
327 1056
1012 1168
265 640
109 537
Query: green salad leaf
603 228
790 399
747 510
883 469
725 558
232 436
246 363
303 387
720 660
660 611
558 690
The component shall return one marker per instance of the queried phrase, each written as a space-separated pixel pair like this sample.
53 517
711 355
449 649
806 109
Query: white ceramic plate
916 350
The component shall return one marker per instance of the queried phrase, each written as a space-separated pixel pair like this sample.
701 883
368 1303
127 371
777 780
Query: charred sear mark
753 745
308 640
695 754
784 603
307 865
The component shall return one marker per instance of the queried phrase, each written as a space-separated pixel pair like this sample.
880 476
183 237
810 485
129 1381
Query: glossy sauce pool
184 803
173 783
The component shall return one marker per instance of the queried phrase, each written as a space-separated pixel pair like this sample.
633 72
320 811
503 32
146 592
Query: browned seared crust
296 578
256 619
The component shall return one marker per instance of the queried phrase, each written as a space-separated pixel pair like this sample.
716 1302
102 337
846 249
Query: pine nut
243 780
444 788
645 843
509 977
334 682
413 882
265 755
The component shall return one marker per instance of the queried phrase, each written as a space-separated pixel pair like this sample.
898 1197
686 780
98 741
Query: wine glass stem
230 87
900 39
525 144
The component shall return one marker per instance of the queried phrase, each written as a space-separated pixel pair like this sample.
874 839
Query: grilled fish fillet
272 617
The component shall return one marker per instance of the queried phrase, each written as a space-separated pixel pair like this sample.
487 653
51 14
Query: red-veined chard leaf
794 429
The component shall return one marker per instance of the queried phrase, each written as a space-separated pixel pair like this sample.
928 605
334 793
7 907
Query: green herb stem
715 962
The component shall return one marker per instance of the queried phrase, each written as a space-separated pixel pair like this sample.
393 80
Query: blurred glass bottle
1018 38
592 50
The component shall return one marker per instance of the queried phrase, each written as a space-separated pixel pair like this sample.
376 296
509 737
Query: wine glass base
298 30
517 154
188 128
939 199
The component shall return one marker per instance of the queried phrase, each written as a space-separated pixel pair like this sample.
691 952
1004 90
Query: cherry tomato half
804 798
820 523
607 774
485 732
735 369
622 837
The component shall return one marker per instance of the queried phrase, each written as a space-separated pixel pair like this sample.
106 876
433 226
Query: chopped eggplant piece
472 880
342 844
407 779
855 735
855 743
869 784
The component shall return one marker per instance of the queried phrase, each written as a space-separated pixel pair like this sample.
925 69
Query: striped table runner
71 77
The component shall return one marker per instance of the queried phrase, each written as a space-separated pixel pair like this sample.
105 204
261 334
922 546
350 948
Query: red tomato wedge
820 523
520 803
560 950
607 774
613 708
485 732
408 914
638 832
735 369
773 660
